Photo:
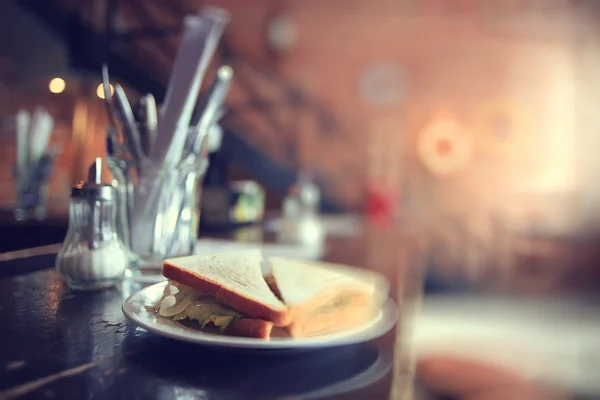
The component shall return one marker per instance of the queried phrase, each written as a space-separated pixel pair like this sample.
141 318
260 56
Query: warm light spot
100 90
57 85
444 147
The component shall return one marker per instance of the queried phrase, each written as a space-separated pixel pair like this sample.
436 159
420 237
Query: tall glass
31 204
164 214
31 188
158 210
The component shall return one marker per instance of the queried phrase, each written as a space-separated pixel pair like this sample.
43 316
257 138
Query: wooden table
60 344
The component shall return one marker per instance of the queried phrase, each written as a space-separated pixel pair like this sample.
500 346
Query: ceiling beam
88 49
148 32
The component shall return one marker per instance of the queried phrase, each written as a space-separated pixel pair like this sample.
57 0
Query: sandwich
325 298
225 291
240 294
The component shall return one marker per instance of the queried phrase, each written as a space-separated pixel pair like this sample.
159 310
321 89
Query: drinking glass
162 212
31 188
158 210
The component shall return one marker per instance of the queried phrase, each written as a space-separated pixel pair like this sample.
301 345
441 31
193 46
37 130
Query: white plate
134 309
380 368
299 251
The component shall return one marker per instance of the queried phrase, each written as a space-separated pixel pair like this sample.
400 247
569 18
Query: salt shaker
301 223
93 255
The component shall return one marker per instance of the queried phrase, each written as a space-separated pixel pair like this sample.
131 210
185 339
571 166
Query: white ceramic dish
135 310
298 251
380 368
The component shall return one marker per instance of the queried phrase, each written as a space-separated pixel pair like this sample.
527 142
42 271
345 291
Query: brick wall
446 58
443 58
61 107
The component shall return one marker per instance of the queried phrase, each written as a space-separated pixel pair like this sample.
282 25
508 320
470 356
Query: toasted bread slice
323 298
304 286
336 320
249 327
235 279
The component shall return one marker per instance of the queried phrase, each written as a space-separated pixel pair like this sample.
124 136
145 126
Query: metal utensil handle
214 103
199 41
151 120
125 113
108 101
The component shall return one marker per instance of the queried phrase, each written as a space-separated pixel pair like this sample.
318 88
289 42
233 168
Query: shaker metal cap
94 189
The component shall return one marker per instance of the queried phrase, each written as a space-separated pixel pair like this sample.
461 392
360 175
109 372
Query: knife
200 38
149 118
130 129
22 121
212 111
110 107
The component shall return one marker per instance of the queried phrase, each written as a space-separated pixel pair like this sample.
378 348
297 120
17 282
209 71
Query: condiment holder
300 223
92 256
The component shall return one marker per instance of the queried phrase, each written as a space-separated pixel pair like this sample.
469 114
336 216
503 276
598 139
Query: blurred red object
465 379
380 205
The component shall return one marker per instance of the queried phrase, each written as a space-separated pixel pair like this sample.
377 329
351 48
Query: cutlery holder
161 209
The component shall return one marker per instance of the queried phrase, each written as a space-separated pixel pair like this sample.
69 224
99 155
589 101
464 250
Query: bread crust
237 301
331 322
248 327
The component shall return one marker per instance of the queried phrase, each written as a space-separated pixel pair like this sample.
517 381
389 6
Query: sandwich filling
181 302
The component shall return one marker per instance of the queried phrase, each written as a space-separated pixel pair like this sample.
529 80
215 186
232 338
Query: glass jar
162 212
92 256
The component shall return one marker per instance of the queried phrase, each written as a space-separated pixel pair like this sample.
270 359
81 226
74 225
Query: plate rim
375 328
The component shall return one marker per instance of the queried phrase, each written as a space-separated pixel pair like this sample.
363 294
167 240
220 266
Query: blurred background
470 125
475 118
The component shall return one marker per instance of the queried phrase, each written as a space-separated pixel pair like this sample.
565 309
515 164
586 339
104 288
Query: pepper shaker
93 255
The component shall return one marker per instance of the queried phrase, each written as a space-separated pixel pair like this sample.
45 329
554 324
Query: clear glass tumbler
161 210
164 222
31 188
